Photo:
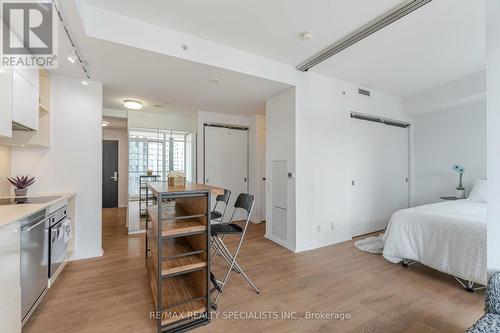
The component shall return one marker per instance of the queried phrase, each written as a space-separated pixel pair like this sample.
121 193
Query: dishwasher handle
28 229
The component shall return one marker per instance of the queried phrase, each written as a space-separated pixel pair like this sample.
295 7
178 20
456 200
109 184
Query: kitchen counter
15 212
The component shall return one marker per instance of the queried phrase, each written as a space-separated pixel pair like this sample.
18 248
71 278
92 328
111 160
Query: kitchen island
177 254
13 211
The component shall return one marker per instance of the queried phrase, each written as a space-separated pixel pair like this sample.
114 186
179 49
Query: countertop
15 212
163 187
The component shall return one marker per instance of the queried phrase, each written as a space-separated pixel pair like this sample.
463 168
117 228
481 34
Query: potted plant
21 184
460 193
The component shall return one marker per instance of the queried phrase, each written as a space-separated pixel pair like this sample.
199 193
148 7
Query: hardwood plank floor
111 294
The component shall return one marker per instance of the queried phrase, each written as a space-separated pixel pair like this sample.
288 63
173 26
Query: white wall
493 87
466 90
5 171
74 161
455 135
280 146
120 135
322 155
160 120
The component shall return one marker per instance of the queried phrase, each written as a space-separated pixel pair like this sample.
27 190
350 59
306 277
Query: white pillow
479 192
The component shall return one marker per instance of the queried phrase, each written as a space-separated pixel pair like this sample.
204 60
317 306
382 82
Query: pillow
479 192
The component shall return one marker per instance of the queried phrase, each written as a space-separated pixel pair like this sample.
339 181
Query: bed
447 236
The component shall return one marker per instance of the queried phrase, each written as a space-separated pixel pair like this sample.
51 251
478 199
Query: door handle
115 176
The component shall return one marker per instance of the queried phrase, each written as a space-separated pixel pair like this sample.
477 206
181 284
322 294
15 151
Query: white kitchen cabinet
10 278
10 314
10 254
6 102
31 75
24 102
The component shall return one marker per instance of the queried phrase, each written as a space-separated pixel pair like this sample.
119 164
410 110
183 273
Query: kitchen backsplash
5 170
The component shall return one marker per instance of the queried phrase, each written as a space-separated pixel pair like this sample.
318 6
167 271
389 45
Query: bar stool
215 215
245 202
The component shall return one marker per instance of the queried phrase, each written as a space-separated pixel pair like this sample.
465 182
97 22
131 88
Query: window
157 150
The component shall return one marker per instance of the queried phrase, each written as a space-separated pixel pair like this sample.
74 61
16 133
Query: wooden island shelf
178 244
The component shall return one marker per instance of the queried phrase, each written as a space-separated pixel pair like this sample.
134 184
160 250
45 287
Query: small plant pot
460 194
21 193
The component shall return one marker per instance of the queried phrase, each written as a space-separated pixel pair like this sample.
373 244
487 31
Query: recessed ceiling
161 82
438 43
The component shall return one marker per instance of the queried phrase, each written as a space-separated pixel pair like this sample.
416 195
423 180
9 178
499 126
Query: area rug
372 244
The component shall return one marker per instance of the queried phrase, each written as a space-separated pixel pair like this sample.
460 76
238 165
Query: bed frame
469 286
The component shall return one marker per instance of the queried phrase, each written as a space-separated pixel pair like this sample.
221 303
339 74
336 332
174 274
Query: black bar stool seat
224 229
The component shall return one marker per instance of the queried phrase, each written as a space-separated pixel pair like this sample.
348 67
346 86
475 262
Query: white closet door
216 156
238 166
379 170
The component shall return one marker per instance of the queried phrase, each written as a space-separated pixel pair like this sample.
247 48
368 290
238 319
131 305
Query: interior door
238 167
216 156
226 162
109 173
379 169
261 142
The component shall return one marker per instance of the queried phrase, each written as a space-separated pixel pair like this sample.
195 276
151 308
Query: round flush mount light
132 104
306 35
214 80
105 123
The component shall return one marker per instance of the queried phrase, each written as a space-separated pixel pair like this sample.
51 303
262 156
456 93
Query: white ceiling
156 79
438 43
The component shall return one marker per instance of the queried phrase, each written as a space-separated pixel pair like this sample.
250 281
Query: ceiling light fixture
105 123
85 82
368 29
132 104
306 35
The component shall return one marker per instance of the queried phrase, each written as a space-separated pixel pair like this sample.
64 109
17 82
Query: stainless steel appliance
34 261
57 246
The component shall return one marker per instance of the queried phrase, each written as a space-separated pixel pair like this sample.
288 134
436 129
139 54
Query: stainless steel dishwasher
34 261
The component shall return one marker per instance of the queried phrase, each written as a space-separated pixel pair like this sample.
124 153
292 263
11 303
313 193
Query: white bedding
448 236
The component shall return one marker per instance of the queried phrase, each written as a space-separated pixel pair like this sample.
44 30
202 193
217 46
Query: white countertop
15 212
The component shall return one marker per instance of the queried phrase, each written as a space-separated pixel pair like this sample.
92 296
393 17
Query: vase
21 192
460 194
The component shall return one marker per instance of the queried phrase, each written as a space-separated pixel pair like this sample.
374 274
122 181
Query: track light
73 57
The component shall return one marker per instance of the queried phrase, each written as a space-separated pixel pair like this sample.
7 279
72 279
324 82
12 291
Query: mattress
448 236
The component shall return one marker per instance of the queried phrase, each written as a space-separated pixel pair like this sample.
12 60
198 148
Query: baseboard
137 232
280 242
85 255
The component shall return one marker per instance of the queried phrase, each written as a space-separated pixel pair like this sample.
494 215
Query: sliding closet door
216 156
238 166
226 161
379 169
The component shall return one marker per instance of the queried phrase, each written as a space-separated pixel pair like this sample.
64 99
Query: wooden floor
110 294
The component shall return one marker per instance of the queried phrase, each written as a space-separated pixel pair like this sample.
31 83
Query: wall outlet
332 226
318 227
